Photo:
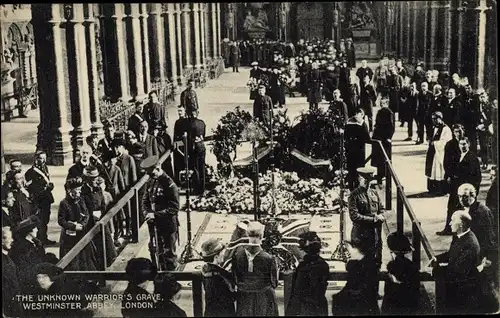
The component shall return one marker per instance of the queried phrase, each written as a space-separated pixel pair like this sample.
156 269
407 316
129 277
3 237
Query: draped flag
281 239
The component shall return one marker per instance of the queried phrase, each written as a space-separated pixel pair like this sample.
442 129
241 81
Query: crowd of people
457 122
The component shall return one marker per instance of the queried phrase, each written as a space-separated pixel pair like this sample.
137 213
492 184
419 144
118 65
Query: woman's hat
140 270
399 243
26 226
73 183
91 171
166 286
211 247
48 269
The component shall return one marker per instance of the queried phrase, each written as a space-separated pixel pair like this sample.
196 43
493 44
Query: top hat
399 243
91 171
211 247
26 226
366 172
149 162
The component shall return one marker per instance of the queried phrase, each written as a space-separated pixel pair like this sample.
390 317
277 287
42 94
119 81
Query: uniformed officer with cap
365 210
160 203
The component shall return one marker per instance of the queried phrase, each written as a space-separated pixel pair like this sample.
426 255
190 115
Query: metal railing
132 195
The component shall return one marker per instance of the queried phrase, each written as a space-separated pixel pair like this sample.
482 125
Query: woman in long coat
359 295
384 130
73 217
310 280
93 197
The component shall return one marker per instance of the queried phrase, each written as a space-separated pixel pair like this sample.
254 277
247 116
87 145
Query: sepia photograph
249 159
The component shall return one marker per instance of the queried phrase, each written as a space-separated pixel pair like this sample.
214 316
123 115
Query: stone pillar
401 28
157 42
186 14
208 31
144 35
481 43
197 37
447 36
440 46
169 22
136 68
90 36
219 34
427 34
407 31
78 76
114 62
413 31
53 131
203 33
433 8
215 40
177 29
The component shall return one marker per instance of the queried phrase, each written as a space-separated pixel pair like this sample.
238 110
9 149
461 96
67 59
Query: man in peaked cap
365 210
160 205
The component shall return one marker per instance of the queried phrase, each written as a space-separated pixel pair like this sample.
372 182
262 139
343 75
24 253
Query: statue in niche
256 22
361 16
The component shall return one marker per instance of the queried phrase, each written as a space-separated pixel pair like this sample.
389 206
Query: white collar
462 234
5 209
5 252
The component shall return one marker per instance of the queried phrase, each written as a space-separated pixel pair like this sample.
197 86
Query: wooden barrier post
439 273
135 216
388 186
416 257
102 281
287 287
197 296
400 209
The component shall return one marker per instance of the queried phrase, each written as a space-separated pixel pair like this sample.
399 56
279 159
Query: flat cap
149 162
211 247
366 172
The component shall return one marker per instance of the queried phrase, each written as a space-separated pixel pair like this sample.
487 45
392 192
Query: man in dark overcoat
466 170
356 135
197 152
451 111
367 98
460 275
180 127
135 120
154 112
135 297
384 130
310 280
394 83
315 87
40 188
484 120
423 116
262 106
160 204
364 71
365 210
10 278
148 140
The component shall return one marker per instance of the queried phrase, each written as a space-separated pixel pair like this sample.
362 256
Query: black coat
484 228
367 98
26 256
492 199
359 295
424 104
134 123
133 297
362 72
383 131
402 297
314 85
220 293
154 113
451 112
262 106
451 157
40 189
310 281
461 276
466 171
10 288
356 136
7 218
339 107
167 308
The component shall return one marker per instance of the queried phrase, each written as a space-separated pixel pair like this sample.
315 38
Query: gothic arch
14 35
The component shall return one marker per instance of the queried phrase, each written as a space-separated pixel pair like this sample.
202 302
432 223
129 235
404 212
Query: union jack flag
281 239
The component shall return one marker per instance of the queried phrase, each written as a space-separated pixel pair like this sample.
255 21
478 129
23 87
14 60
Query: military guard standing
180 127
160 203
197 152
262 106
365 210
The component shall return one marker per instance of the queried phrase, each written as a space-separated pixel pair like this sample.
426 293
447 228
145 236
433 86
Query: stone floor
219 96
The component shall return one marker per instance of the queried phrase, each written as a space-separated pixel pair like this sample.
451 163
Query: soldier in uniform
160 203
197 152
315 87
154 112
189 99
262 106
40 188
180 127
235 56
365 210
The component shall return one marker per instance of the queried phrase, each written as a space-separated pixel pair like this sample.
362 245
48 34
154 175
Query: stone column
407 30
144 35
90 36
197 37
447 36
203 33
401 28
413 31
136 69
157 42
186 14
174 40
114 62
427 34
433 8
215 40
53 132
78 76
219 34
208 31
481 43
178 28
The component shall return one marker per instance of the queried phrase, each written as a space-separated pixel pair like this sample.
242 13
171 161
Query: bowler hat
366 172
48 269
90 172
140 269
211 247
149 162
166 286
26 226
398 242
